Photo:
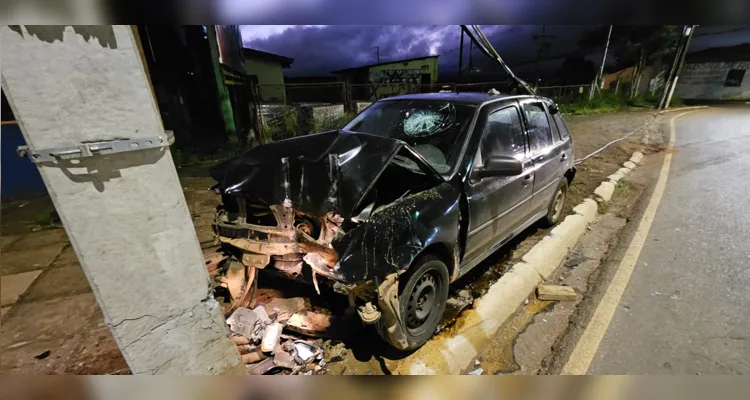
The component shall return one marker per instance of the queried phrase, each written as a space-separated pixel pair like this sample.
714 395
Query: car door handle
564 157
527 179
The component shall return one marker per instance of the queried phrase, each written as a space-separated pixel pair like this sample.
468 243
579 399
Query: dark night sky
319 49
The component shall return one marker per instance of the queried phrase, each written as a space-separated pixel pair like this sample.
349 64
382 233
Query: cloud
318 50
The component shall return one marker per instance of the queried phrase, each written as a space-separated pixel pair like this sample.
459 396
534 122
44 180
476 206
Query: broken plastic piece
271 337
305 351
242 322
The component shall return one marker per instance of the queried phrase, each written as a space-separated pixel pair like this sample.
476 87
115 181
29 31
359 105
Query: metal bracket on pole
95 148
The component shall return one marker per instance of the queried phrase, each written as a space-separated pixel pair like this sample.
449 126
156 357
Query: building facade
716 74
267 71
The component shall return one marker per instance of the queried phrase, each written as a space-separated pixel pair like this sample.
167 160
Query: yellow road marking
584 351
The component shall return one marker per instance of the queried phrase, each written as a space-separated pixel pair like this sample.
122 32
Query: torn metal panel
395 234
324 172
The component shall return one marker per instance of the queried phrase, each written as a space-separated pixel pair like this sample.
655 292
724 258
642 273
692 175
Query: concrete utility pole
688 31
84 103
377 53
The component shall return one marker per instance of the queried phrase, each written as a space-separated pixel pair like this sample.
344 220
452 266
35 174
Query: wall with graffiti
387 80
715 81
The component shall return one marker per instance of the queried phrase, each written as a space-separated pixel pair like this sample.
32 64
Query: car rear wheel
556 206
422 296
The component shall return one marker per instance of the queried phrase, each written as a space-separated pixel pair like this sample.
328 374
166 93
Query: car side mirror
553 109
499 166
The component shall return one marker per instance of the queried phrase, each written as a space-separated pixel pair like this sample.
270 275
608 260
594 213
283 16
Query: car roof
472 98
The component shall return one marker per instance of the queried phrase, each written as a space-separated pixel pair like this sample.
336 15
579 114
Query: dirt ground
51 323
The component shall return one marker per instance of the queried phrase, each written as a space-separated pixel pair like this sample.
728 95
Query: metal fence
342 93
300 93
566 93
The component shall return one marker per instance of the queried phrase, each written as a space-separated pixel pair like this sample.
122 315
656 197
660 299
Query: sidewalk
51 323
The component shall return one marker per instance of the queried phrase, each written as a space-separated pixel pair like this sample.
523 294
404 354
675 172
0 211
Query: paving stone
13 286
67 256
17 261
37 239
62 317
6 241
58 281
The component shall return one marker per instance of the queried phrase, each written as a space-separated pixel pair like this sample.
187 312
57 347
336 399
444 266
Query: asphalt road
686 308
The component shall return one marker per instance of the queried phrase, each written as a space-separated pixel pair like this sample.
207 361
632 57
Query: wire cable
580 160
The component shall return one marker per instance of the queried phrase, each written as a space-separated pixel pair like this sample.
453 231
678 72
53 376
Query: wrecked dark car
410 195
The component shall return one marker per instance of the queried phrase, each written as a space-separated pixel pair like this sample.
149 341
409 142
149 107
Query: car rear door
497 205
546 153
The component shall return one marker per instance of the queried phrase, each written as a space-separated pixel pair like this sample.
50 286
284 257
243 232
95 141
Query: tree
576 70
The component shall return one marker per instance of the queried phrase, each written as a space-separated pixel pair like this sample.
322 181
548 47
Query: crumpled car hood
330 171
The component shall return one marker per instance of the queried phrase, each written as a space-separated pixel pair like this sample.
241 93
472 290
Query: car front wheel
422 296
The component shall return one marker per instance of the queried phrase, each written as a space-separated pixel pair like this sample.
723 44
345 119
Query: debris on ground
477 371
333 352
265 349
555 292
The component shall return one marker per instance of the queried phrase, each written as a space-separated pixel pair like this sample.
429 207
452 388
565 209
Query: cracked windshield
433 128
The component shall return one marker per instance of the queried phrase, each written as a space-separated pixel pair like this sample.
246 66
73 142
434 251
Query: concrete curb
455 354
681 109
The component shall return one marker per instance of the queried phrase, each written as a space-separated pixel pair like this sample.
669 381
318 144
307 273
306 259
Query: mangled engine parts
265 349
284 241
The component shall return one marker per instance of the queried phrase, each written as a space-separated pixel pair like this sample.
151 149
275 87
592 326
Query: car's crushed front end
338 209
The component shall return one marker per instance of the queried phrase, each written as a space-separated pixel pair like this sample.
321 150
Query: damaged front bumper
286 247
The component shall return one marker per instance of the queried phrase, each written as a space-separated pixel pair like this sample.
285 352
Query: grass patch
622 189
603 207
49 220
608 101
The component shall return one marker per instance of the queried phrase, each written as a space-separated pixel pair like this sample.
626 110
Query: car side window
502 136
561 126
540 133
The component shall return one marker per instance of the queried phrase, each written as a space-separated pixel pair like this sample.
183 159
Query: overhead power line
480 40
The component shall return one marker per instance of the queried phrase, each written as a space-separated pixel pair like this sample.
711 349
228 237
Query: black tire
427 281
556 205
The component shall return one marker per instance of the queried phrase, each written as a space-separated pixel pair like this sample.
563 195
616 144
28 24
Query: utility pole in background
87 112
687 33
599 76
461 55
544 44
377 53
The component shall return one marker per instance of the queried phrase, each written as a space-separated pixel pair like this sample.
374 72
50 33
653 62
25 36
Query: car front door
545 154
497 205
